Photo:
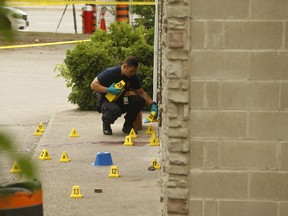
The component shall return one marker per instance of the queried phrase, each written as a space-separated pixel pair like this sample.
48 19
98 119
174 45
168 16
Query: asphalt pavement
135 192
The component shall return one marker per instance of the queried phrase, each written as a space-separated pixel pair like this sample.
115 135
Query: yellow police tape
61 2
42 44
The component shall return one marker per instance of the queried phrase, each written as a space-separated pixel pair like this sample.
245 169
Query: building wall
225 107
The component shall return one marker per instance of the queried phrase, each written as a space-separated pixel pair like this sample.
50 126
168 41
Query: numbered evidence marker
114 173
15 168
152 117
74 133
112 97
133 133
64 157
76 193
154 140
41 127
150 130
128 141
44 155
155 164
38 132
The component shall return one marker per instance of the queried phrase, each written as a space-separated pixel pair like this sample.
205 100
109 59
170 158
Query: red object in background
87 19
102 21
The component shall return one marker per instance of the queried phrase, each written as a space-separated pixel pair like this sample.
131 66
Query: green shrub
106 49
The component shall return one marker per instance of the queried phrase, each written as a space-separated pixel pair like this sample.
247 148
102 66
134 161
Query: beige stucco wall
225 107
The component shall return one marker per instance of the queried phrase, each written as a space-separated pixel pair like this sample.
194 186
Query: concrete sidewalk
135 192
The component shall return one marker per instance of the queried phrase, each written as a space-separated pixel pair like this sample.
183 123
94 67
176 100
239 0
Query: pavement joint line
140 143
42 44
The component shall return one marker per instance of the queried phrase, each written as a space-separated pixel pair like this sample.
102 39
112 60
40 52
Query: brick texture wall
225 107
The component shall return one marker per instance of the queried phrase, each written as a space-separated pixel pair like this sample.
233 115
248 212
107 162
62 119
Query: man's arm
141 92
95 85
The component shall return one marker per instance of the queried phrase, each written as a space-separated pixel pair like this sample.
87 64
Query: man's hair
131 61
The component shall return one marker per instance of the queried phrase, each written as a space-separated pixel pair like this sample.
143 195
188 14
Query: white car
18 19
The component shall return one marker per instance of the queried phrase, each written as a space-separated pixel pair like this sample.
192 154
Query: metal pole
74 18
61 17
155 61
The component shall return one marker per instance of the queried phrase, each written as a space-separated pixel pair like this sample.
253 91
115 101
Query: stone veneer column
175 93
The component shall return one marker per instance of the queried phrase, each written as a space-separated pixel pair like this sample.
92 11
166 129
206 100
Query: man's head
129 66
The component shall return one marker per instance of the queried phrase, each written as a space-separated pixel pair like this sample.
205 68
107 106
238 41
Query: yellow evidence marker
112 97
44 155
154 141
155 164
114 173
150 130
133 134
41 127
38 132
74 133
15 168
128 141
76 193
64 157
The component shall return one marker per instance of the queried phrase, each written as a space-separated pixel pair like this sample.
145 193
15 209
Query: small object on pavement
98 190
151 168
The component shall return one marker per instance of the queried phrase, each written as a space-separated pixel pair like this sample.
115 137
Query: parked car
18 19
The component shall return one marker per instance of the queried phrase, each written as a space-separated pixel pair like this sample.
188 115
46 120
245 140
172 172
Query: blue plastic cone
103 159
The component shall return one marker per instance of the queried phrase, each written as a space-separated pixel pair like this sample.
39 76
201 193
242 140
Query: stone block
175 206
268 126
249 95
219 65
195 207
269 186
218 185
220 9
177 193
175 39
284 96
211 96
248 155
267 9
283 156
196 154
211 155
269 66
177 23
283 209
178 169
177 11
178 158
211 208
178 96
247 208
173 110
178 132
174 69
197 34
196 94
176 144
253 35
219 124
214 35
177 54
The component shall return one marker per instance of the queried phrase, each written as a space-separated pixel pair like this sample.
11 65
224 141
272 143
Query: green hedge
106 49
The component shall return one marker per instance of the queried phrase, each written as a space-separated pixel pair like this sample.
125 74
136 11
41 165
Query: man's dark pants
111 111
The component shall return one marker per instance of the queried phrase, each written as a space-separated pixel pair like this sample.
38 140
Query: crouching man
129 104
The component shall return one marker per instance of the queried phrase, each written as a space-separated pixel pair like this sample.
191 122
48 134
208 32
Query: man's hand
154 108
113 90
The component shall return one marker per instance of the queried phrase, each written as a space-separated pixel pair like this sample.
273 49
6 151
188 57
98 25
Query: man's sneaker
107 129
